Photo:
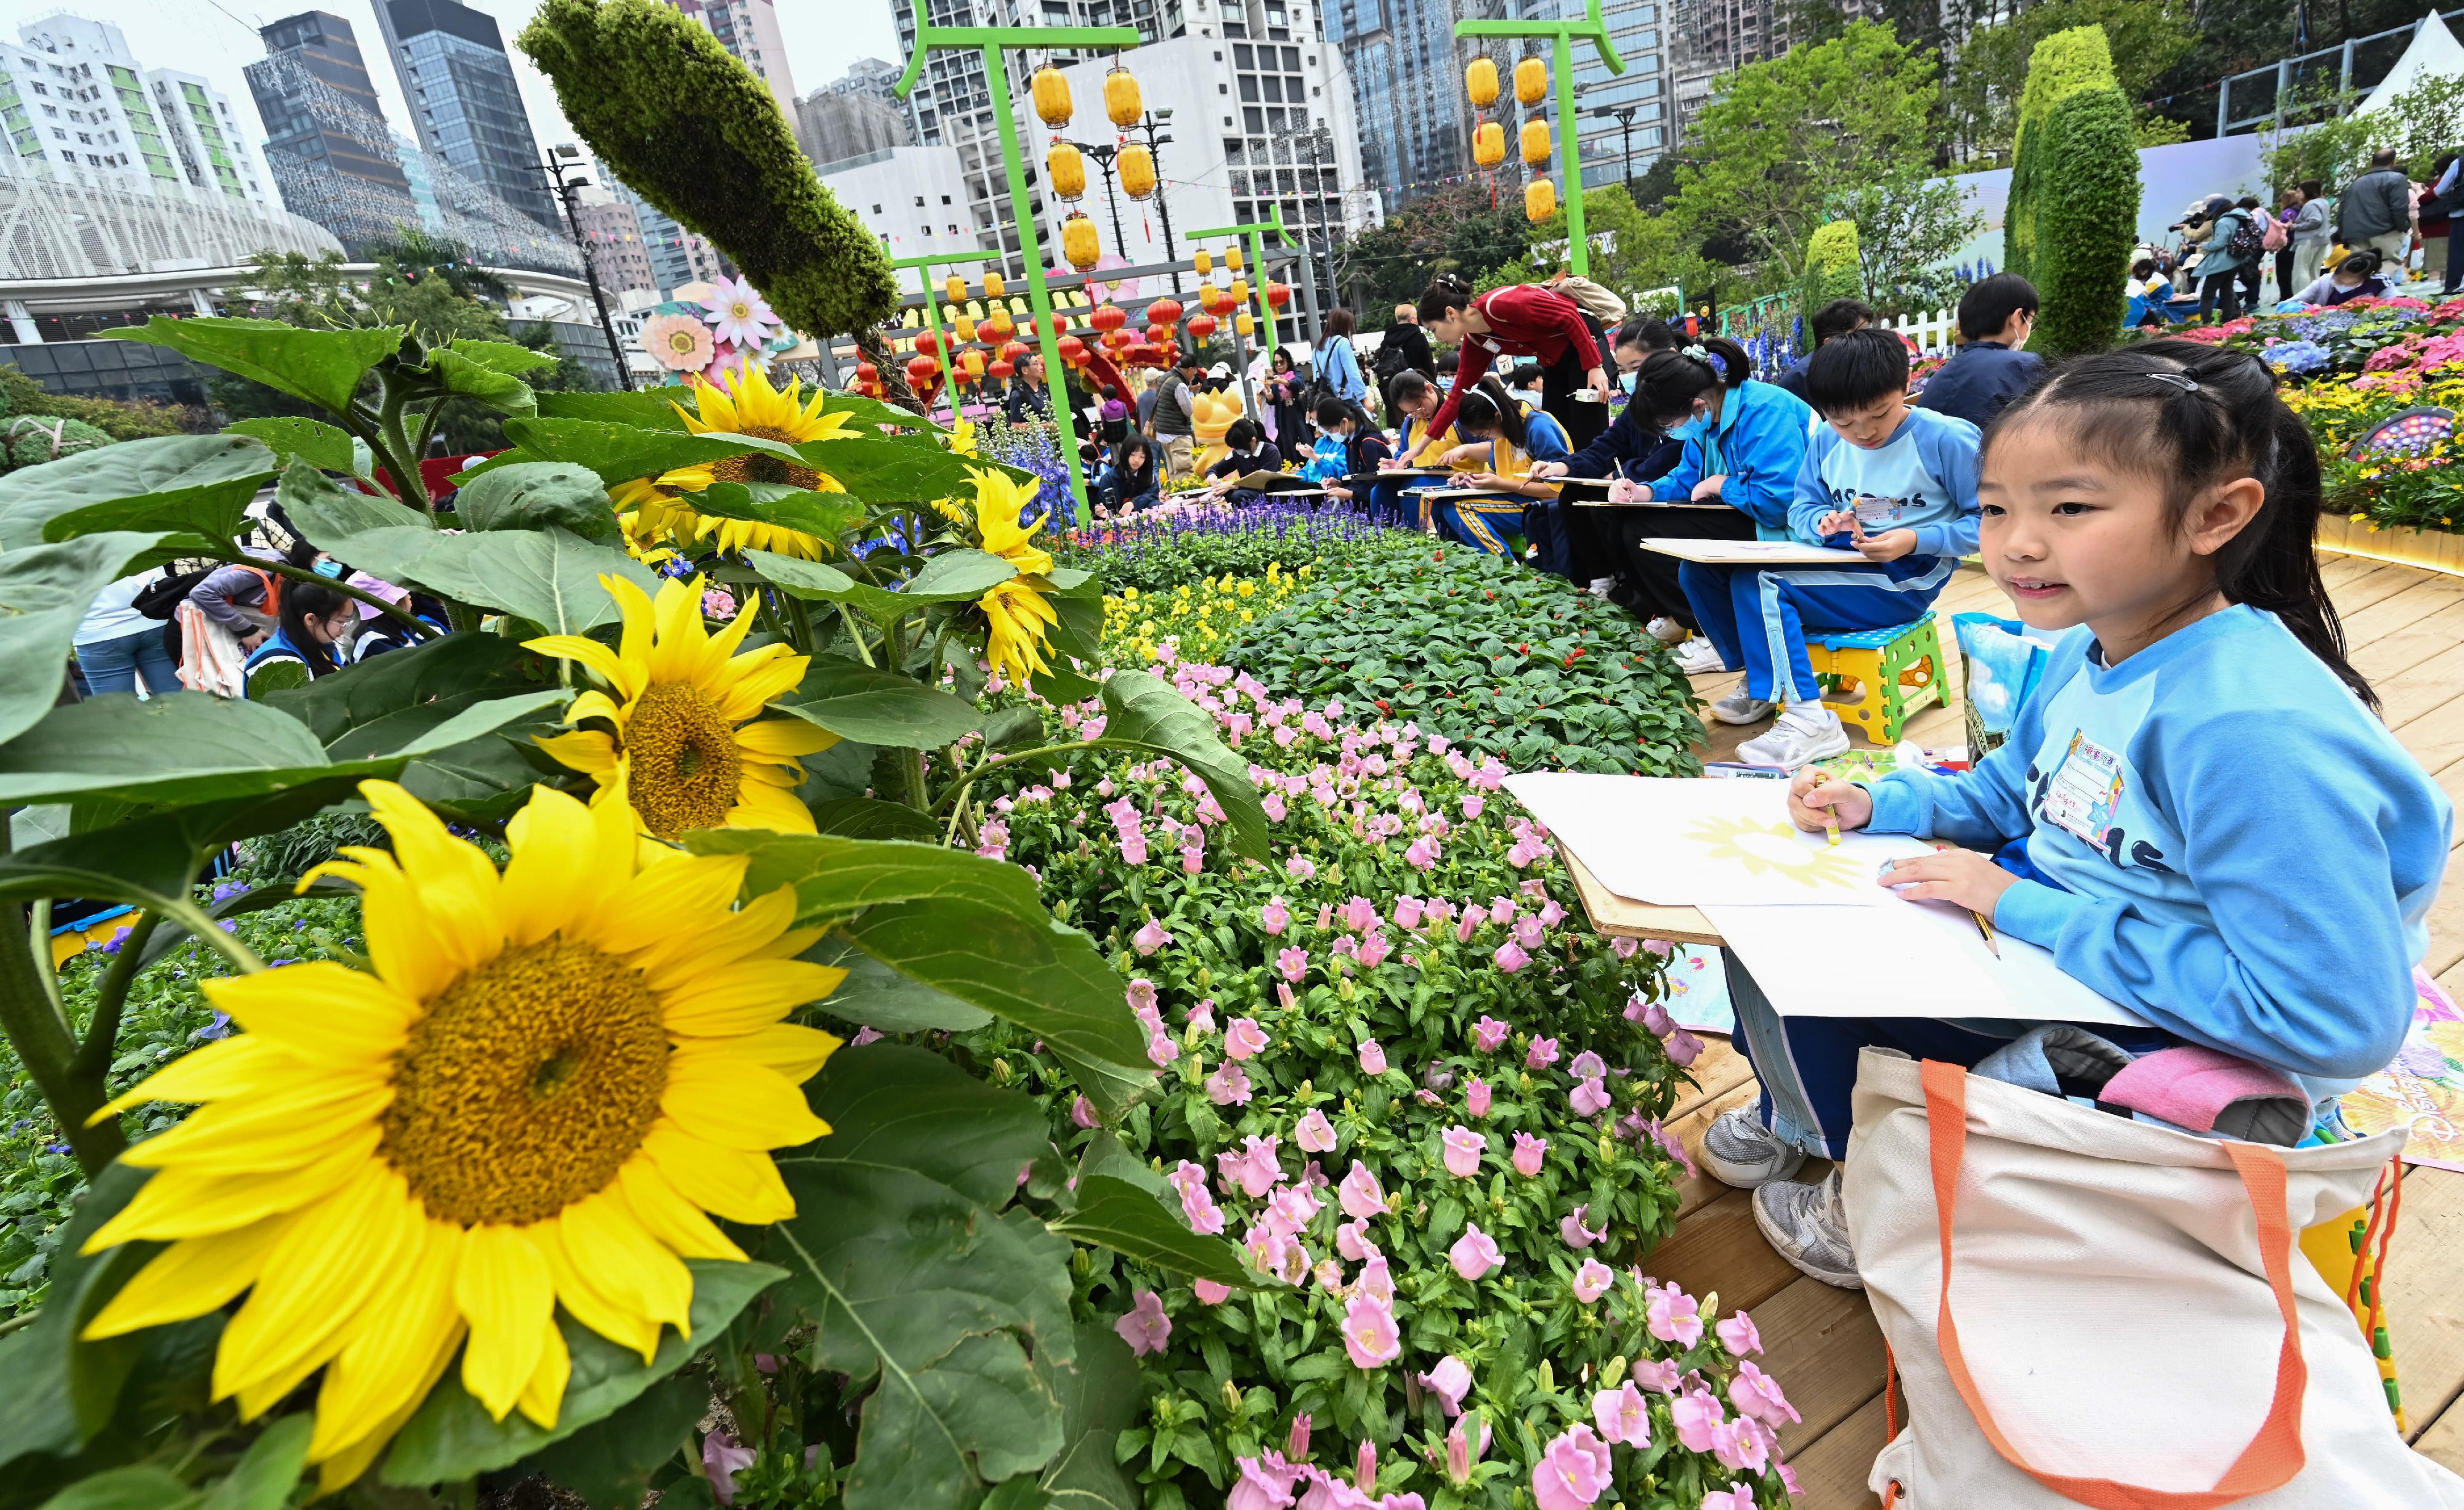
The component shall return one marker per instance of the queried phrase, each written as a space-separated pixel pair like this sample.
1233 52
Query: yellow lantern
1479 80
1136 168
1531 81
993 285
955 287
1121 99
965 326
1067 169
1239 291
1000 324
973 361
1488 145
1205 262
1232 256
1052 97
1535 141
1244 324
1539 200
1078 242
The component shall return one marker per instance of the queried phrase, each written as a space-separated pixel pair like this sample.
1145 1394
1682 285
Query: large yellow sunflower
1018 621
749 405
545 1080
678 699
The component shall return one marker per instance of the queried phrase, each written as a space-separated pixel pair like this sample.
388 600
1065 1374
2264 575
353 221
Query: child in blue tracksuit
1895 483
2197 813
1744 446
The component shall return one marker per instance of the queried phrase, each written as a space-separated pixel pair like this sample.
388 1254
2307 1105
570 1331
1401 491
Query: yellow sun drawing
1775 849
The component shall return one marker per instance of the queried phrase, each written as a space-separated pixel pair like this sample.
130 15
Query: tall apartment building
676 256
1406 72
749 31
73 94
833 125
612 238
867 75
458 82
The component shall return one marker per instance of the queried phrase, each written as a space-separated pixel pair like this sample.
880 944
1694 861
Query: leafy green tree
1981 94
1455 230
2074 206
1631 252
1908 227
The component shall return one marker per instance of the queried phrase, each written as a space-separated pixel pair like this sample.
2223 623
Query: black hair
1990 302
1670 381
2313 188
2247 202
1488 407
2363 261
1283 355
2196 416
1444 295
1451 361
2142 267
1407 388
1133 442
1333 411
1648 332
299 601
1837 318
1851 371
1243 434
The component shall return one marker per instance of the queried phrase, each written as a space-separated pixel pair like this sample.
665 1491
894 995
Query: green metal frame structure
1594 30
924 267
990 40
1257 235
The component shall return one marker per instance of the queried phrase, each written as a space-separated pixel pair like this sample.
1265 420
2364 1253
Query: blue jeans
113 665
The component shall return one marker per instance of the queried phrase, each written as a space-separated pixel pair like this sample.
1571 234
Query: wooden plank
1699 1190
2372 587
2447 920
1831 1473
2337 570
1716 1070
2435 734
1822 1346
1720 1248
2442 1444
2425 1304
2426 595
2410 646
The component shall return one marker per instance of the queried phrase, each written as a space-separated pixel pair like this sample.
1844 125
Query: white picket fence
1935 332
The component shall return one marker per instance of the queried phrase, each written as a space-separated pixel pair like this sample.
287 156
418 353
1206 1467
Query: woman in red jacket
1519 320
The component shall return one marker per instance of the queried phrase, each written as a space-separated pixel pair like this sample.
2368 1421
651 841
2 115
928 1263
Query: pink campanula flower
1359 914
1592 1282
1488 1035
1254 1168
1470 923
1150 938
1587 1065
1202 1017
1198 1205
1314 1134
1472 804
1422 853
1145 1327
1299 868
1510 956
1377 1281
1572 1472
1293 1207
1659 947
1274 917
1550 913
1359 1195
1542 1054
1296 1440
1293 963
1757 1395
1243 1039
1737 1334
1265 1483
1141 996
1210 1292
1740 1445
1162 1052
1672 1316
1370 1334
1374 953
1373 1058
1272 801
1082 1111
1228 1086
1352 1240
1449 1381
1589 1097
1475 1253
722 1460
1736 1496
1579 1237
1407 913
1625 946
1623 1416
1283 994
1462 1151
1476 1096
1529 1152
1437 914
1653 1017
1697 1417
1460 1454
1658 1376
1530 934
1682 1048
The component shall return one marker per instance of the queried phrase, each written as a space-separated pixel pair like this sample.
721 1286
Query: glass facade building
466 107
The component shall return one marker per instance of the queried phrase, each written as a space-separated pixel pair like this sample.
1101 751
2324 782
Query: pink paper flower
1592 1282
1369 1333
1542 1054
1577 1235
1475 1253
1671 1316
1510 956
1293 963
738 313
1228 1086
1572 1472
679 343
1145 1327
1150 938
1488 1034
1462 1151
1623 1416
1210 1292
1757 1395
1658 1376
1274 917
1265 1483
1737 1334
1476 1096
1589 1097
1359 1195
1697 1417
1373 1058
1449 1381
1529 1152
1243 1039
1314 1134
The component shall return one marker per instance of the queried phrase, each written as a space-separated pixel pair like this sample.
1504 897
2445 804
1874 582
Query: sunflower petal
626 1263
457 881
769 808
578 1288
720 1096
640 618
603 662
754 685
739 1186
588 751
321 1271
227 1067
187 1279
280 1129
744 998
176 1203
544 1396
735 935
397 1336
329 1014
349 1462
792 1049
558 873
675 895
783 737
675 654
508 1296
669 1217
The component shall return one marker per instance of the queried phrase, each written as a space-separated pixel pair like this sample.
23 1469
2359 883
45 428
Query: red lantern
1158 335
999 369
929 344
867 373
921 370
1107 318
1164 312
1015 351
1118 340
1279 294
1201 326
1072 349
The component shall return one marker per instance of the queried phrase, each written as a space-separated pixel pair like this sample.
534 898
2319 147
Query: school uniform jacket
1758 446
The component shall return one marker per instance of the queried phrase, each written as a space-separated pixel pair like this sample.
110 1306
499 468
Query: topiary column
1833 269
2073 206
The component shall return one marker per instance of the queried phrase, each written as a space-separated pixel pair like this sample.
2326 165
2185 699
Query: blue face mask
1694 425
1625 381
329 569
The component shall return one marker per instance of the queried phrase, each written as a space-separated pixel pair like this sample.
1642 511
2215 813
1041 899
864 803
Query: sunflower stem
195 919
801 619
102 1035
38 944
49 1052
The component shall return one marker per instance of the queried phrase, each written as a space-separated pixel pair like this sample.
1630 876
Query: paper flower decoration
679 342
739 312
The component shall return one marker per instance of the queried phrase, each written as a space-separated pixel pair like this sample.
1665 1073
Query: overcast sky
217 39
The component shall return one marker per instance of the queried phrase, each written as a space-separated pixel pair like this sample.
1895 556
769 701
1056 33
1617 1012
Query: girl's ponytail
1670 381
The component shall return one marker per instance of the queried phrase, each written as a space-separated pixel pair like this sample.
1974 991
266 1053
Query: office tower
867 75
832 126
676 256
1640 30
749 31
327 140
1407 90
464 103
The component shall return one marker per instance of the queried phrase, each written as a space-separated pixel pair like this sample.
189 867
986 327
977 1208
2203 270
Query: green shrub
2091 194
2060 65
20 394
1833 269
35 439
1492 655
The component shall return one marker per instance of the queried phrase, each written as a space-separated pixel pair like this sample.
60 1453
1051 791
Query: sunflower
1018 621
678 697
654 521
546 1080
749 405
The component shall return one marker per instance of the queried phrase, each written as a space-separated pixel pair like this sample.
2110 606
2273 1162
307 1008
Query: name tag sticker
1874 512
2085 793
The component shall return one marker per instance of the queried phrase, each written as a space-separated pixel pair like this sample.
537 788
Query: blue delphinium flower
2300 358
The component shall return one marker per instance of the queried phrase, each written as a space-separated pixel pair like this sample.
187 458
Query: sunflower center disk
526 1084
685 772
761 467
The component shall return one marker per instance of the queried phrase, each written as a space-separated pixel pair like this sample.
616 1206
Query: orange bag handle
2274 1454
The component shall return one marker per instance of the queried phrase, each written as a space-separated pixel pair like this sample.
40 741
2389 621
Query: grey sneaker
1739 1150
1737 708
1807 1225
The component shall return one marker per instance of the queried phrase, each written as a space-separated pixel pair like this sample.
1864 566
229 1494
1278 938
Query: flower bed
1425 1098
1194 619
1485 652
1181 541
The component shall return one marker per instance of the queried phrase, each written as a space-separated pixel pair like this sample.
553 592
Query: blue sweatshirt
1980 378
1645 453
1923 478
1758 445
2238 850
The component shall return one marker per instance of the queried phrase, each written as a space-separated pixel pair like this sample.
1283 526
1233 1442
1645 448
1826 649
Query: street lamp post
1562 35
565 157
1104 153
1321 137
1149 123
1624 115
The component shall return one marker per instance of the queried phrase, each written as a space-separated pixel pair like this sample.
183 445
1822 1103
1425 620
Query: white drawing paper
1751 552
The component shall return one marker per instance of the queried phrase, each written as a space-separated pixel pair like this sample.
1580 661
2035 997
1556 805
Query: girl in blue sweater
2197 813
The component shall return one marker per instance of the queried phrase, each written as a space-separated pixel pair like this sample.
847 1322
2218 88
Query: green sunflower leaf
879 707
199 485
324 367
890 1104
620 452
1144 711
1115 1213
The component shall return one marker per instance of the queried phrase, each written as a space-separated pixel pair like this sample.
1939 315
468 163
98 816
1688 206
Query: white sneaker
1803 735
1601 586
1739 1150
1806 1224
1699 657
1667 631
1741 708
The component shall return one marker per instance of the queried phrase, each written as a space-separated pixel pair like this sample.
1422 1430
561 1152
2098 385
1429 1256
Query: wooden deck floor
2405 629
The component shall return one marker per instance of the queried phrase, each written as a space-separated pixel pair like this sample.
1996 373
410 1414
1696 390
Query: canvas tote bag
2087 1310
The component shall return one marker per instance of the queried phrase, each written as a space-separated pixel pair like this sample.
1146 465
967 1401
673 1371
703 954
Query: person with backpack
1522 319
2233 244
2376 210
116 644
2271 241
1403 348
1338 365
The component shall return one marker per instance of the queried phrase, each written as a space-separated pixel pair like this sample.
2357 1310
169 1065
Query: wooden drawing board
1620 917
1752 553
